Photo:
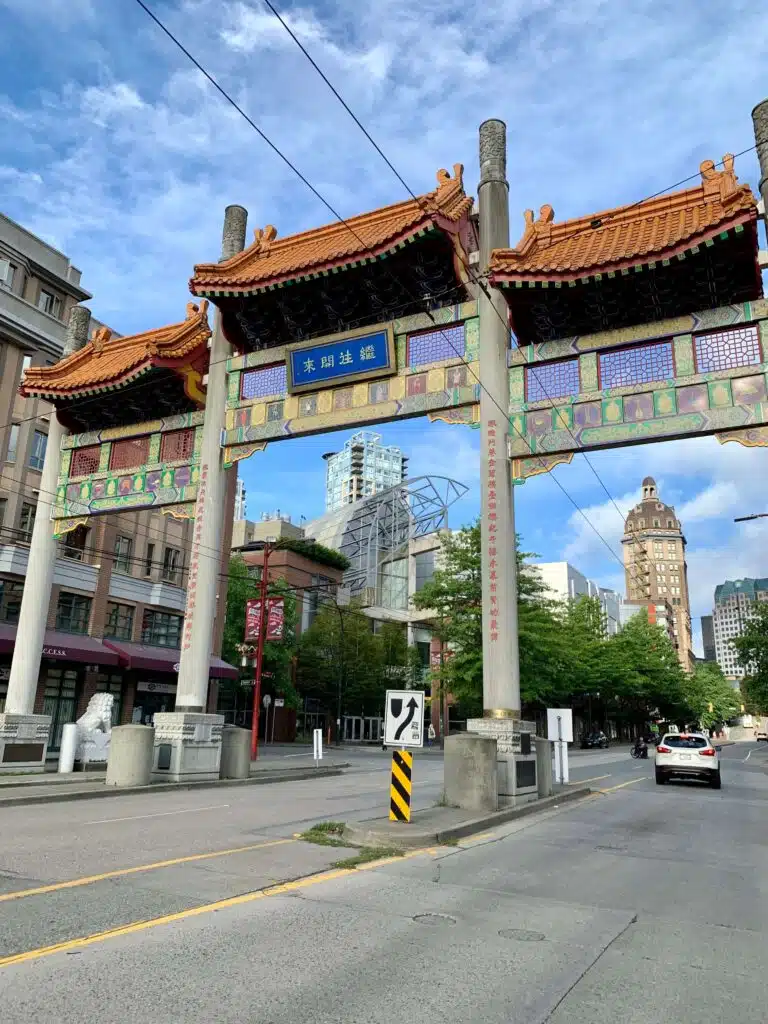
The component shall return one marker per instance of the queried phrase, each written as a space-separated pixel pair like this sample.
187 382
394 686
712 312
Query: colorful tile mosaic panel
433 346
416 384
539 422
378 392
588 414
694 398
269 380
308 405
552 380
638 407
749 390
638 365
456 377
274 411
727 350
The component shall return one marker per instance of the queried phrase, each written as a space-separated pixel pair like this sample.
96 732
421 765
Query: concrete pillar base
187 747
235 753
470 772
515 757
23 742
131 751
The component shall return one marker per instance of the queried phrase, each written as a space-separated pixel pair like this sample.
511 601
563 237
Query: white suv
687 754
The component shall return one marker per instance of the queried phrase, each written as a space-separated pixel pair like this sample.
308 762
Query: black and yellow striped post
400 787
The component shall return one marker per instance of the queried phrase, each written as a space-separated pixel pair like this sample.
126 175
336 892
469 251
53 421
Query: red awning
163 659
65 646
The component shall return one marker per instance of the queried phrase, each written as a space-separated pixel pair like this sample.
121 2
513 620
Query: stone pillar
205 556
187 740
23 734
760 122
501 664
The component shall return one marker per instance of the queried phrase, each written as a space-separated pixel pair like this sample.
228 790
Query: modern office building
362 468
660 613
655 566
241 509
566 583
119 590
734 600
708 638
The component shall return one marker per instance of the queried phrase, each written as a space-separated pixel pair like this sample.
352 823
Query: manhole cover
522 935
434 919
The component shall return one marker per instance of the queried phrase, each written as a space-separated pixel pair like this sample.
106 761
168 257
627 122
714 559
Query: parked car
687 755
595 740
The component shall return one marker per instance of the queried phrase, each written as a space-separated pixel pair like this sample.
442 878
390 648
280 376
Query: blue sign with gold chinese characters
348 358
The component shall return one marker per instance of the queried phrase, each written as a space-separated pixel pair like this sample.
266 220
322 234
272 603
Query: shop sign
55 652
156 687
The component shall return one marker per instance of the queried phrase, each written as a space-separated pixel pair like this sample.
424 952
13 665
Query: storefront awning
163 659
65 647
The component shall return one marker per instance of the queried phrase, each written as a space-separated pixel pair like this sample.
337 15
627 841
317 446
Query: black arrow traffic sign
411 705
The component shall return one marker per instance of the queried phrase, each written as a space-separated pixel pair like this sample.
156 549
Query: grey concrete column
30 634
205 555
501 663
77 329
760 122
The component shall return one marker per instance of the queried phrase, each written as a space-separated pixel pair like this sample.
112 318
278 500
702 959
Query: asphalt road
638 904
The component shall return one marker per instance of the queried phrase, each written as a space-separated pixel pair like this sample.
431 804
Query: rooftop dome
649 482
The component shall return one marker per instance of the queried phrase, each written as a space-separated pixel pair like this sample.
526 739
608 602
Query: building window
49 303
26 362
119 621
13 443
72 613
656 523
149 560
28 512
171 563
3 503
10 600
37 455
7 274
123 547
161 629
425 568
74 543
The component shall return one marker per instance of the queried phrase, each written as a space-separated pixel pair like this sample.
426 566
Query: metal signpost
317 746
403 727
560 732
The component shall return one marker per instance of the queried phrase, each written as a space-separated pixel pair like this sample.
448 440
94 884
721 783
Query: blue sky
114 149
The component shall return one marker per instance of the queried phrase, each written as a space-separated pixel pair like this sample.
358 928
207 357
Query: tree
709 697
239 589
752 654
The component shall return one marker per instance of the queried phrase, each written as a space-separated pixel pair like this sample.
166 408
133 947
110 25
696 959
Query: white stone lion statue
94 729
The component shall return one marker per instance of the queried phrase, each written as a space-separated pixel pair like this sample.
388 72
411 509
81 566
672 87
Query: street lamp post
755 515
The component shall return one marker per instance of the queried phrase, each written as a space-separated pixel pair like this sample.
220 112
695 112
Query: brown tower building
654 562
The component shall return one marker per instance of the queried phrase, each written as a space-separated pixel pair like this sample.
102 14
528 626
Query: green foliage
314 551
752 653
239 589
709 696
566 658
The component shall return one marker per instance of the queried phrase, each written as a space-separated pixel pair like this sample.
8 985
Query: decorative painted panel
433 369
708 375
95 476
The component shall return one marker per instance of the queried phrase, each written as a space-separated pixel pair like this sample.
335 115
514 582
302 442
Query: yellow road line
583 782
208 908
120 872
621 785
477 839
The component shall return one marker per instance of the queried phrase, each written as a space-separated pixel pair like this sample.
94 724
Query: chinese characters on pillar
194 558
490 514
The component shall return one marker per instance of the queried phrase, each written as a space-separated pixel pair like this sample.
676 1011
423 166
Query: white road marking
161 814
748 756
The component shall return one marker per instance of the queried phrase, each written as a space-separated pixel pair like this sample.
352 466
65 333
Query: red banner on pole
275 618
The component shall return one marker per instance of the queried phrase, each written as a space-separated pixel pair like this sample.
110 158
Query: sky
115 149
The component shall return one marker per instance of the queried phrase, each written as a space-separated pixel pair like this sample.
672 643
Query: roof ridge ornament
197 310
100 338
263 239
540 229
722 184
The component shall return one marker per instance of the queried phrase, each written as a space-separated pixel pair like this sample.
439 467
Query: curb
362 836
262 779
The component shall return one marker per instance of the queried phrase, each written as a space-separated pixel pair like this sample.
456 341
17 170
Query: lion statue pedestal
94 729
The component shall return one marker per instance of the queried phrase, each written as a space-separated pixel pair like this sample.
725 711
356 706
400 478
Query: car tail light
663 750
709 752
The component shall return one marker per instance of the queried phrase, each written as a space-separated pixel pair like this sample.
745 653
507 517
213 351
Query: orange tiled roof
651 230
103 364
272 261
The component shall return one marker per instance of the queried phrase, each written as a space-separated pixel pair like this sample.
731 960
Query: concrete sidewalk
444 824
16 791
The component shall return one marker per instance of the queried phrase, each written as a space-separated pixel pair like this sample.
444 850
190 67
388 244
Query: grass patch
449 842
367 854
325 833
